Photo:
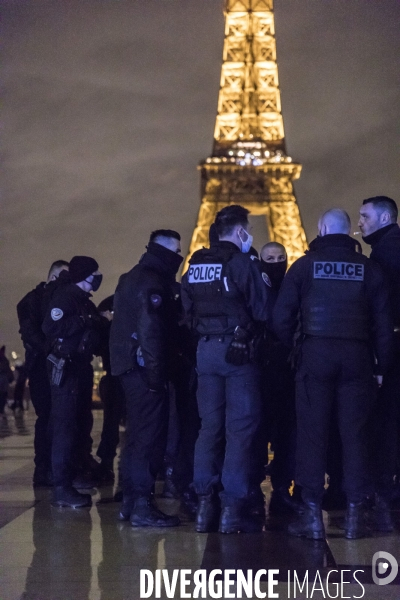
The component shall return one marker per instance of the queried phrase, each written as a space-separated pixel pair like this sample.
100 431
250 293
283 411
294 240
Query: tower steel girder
249 165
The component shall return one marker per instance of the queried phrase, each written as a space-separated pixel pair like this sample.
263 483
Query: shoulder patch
56 314
156 300
266 279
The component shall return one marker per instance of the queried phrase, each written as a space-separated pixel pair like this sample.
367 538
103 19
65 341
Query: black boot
170 490
189 503
256 503
126 508
84 480
355 526
231 518
382 519
145 514
69 496
105 473
42 476
235 517
282 502
118 496
334 499
310 524
208 511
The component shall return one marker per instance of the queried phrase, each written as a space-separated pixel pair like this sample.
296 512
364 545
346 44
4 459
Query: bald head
334 220
273 252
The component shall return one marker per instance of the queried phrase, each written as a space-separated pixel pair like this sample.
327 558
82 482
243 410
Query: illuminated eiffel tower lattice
249 164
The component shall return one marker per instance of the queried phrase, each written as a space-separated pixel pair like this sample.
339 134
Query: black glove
238 353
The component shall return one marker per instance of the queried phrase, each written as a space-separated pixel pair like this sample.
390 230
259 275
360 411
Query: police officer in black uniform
224 296
112 399
278 391
72 327
31 311
378 225
142 341
344 317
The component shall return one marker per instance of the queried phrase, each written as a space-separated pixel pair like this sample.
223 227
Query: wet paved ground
64 554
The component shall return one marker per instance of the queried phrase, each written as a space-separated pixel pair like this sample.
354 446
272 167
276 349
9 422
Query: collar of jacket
337 240
373 238
79 292
65 279
75 289
225 245
161 259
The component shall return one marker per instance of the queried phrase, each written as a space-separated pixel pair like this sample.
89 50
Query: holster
58 369
240 351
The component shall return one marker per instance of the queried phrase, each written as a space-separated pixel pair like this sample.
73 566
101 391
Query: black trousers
385 425
184 426
279 391
333 373
146 435
72 421
3 401
39 387
112 398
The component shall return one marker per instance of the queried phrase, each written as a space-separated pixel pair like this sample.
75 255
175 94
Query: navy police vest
218 306
335 304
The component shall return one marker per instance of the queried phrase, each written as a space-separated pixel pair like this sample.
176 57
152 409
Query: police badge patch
266 279
56 314
156 300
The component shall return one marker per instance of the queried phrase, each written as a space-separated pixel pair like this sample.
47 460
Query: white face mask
246 245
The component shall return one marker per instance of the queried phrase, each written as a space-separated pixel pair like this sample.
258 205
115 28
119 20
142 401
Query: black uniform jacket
297 282
72 324
386 252
31 311
30 317
245 292
145 321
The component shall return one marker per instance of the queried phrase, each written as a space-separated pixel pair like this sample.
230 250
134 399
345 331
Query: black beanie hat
80 267
106 304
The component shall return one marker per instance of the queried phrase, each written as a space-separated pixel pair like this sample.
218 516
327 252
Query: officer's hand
107 314
379 380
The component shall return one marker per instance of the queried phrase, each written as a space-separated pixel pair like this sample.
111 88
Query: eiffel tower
249 165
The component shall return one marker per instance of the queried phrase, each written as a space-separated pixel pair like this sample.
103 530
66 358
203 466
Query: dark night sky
110 104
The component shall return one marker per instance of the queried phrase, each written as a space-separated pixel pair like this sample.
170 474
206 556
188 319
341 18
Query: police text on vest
204 273
339 270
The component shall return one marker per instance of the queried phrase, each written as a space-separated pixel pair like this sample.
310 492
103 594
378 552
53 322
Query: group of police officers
247 355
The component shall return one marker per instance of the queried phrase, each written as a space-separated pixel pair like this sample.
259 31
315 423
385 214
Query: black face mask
96 283
275 271
172 260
